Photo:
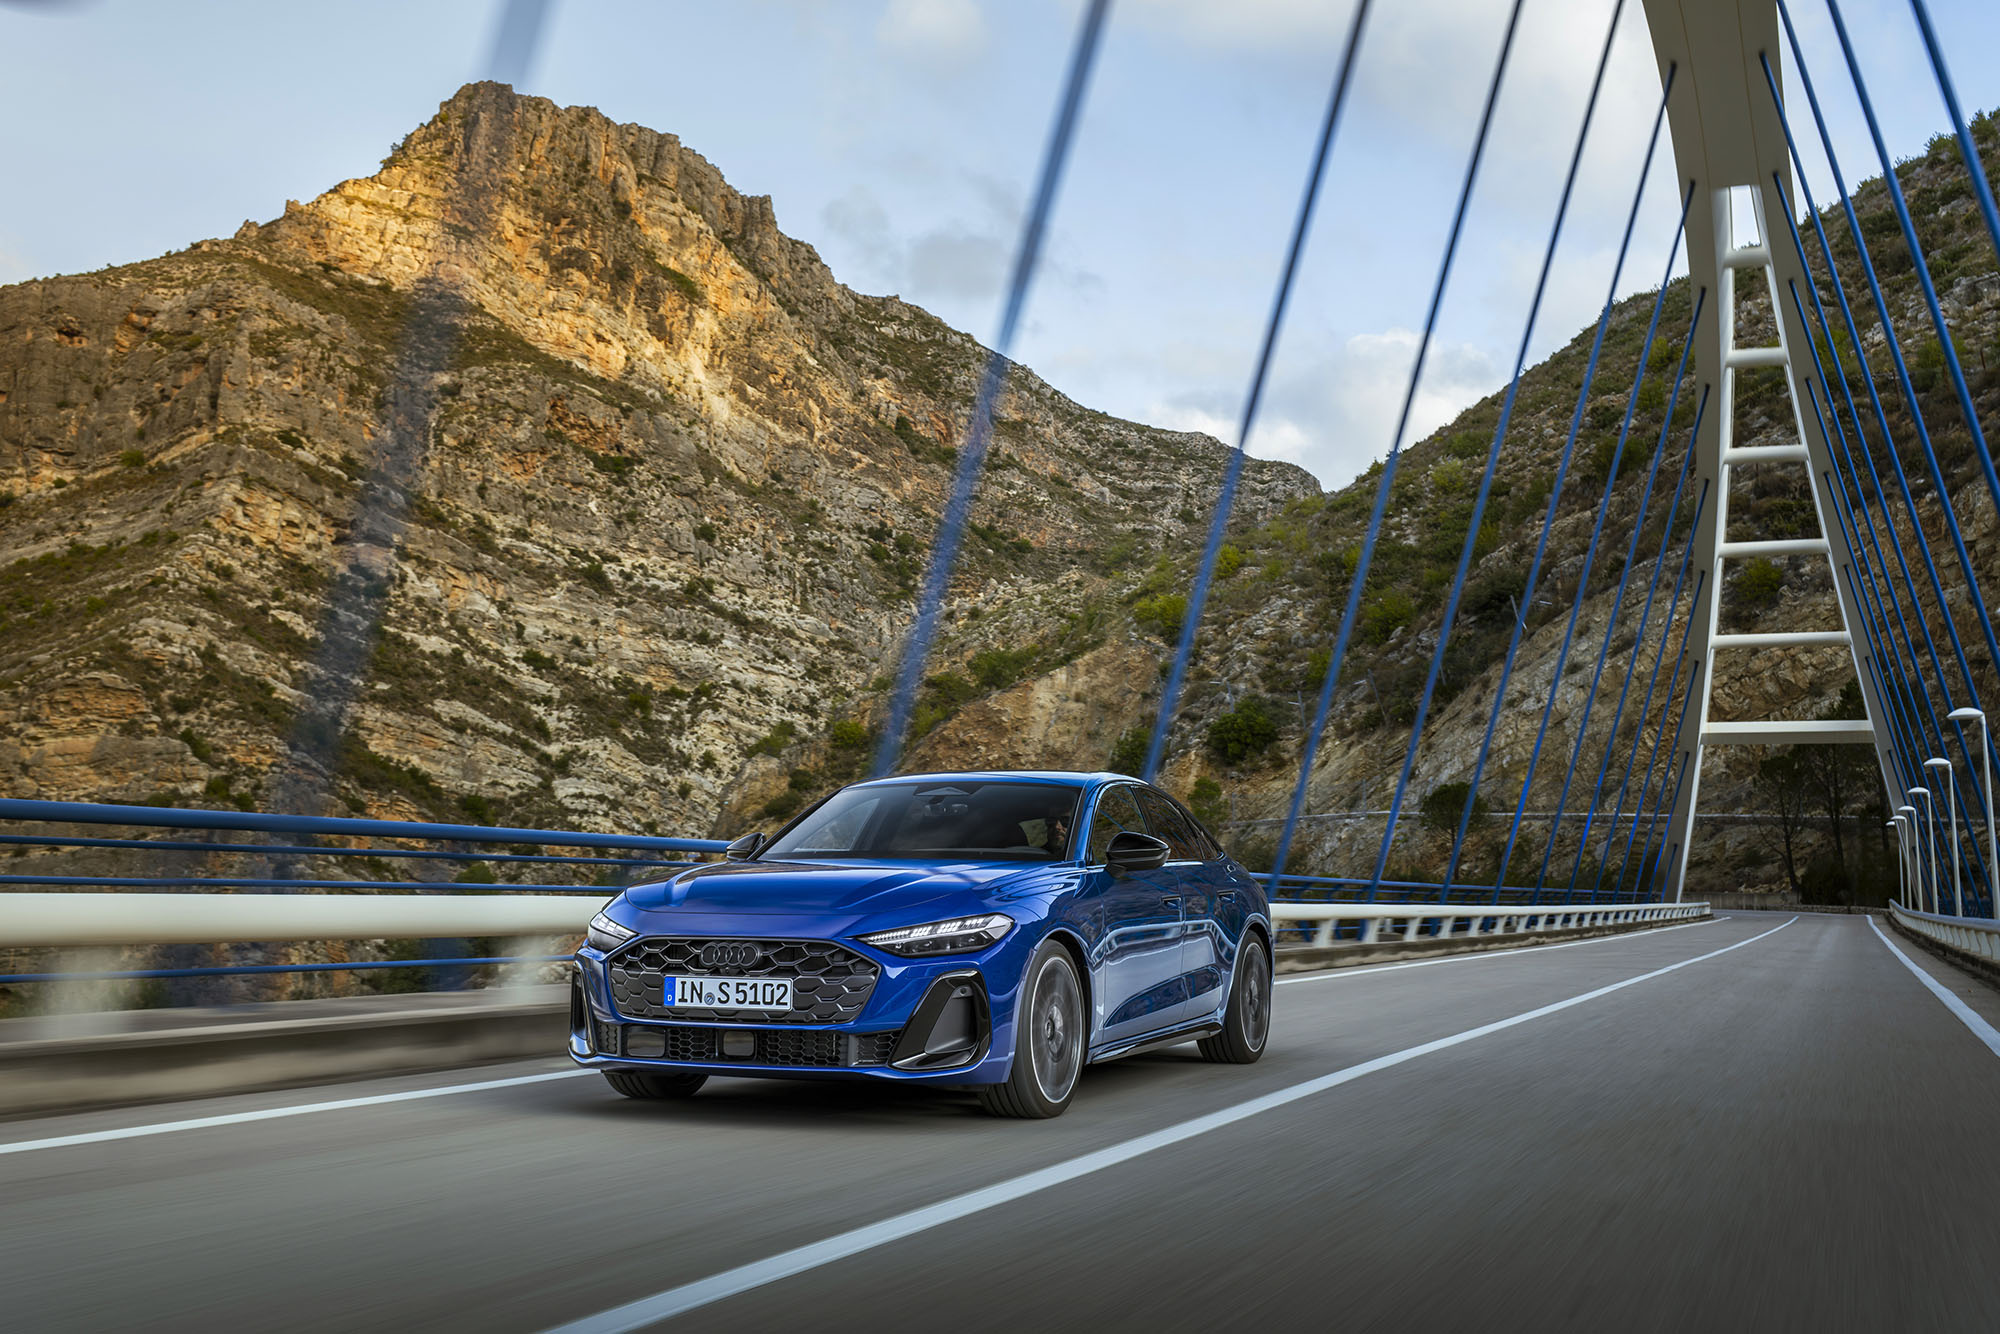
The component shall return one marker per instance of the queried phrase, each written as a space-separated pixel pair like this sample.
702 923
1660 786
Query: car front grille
799 1049
830 983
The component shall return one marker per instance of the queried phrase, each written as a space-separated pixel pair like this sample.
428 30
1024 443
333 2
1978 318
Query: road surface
1749 1123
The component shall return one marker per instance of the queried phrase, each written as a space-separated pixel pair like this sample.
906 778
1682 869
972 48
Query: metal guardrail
115 909
293 853
1975 936
1409 921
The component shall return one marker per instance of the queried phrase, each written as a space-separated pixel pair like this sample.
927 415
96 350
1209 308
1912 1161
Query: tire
1051 1036
1246 1024
643 1084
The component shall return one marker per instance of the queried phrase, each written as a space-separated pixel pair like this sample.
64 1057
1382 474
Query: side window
1115 814
1209 849
1168 823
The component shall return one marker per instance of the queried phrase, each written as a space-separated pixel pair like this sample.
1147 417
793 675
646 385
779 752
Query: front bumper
942 1019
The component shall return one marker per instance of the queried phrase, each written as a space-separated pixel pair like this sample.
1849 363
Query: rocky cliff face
540 478
618 491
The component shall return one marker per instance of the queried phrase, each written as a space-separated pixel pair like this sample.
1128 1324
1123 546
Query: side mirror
745 848
1131 852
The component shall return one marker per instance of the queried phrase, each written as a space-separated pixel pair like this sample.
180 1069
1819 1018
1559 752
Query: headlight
952 937
606 935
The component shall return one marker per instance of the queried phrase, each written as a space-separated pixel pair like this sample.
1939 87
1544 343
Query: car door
1202 955
1137 979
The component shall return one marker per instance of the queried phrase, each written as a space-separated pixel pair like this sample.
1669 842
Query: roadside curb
1983 969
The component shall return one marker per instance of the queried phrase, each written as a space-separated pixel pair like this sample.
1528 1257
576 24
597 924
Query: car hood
844 889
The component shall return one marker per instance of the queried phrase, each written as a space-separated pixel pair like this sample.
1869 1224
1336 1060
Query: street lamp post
1951 808
1930 828
1972 715
1901 888
1906 826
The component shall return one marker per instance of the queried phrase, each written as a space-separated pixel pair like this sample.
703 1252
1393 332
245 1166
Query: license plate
728 993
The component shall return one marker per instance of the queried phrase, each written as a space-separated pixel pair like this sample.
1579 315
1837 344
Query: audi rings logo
731 954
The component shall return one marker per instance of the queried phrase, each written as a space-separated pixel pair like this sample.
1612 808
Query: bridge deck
1792 1133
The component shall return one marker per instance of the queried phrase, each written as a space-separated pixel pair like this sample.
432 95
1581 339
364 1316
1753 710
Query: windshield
989 821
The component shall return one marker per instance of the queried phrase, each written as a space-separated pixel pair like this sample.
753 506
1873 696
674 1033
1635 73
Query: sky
901 138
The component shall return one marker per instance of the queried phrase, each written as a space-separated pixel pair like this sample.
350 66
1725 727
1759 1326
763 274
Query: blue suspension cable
1873 618
1666 704
1360 576
1894 703
1967 411
1868 382
1982 189
1957 372
1555 493
1646 611
1666 630
1589 558
1624 575
1225 499
1677 765
979 429
1486 478
1861 440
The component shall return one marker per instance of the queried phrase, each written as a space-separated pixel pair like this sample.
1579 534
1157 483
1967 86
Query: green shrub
132 458
1228 560
848 734
1244 733
1128 754
1205 800
997 668
1161 614
1760 582
774 741
1386 614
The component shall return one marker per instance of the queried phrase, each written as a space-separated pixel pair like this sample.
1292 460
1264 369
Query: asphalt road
1631 1133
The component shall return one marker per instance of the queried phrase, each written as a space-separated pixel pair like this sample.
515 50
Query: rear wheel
644 1084
1049 1040
1246 1024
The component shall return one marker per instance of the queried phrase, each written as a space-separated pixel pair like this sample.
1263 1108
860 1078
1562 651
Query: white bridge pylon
1729 141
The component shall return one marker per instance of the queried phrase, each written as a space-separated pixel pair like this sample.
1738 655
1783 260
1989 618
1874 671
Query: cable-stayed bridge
1736 1119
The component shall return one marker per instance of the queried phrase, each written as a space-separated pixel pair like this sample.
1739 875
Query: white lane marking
733 1282
1968 1016
1370 969
276 1113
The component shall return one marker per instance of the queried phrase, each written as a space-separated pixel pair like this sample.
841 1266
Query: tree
1837 778
1786 799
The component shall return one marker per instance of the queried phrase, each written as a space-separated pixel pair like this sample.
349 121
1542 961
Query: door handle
1173 899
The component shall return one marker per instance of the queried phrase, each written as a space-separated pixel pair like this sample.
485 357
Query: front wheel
1050 1035
645 1084
1246 1024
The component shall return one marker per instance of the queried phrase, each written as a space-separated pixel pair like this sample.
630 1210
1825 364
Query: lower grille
795 1050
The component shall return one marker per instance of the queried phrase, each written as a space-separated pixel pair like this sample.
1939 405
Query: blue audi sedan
993 930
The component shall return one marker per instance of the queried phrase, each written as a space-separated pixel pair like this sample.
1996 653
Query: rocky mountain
540 478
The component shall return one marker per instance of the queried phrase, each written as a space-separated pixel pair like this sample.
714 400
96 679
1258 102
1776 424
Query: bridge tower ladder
1729 141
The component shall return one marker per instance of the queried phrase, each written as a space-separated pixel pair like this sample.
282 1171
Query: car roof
1057 777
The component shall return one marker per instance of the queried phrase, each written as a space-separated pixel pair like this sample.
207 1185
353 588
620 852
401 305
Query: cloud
13 268
957 264
1336 414
947 31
